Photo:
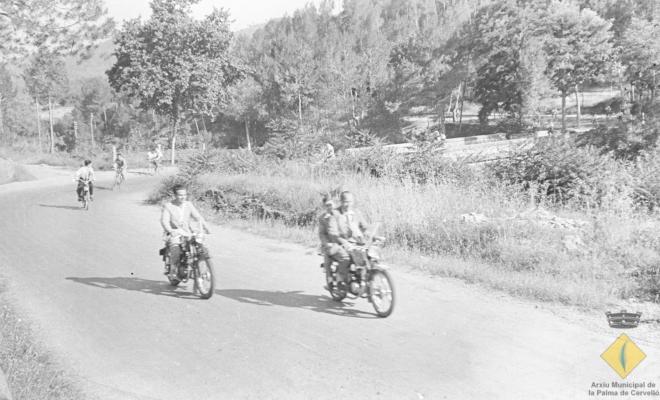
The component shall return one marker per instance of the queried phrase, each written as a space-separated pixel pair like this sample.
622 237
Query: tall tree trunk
247 135
577 102
36 107
91 128
300 108
563 111
2 122
105 122
175 127
460 115
50 121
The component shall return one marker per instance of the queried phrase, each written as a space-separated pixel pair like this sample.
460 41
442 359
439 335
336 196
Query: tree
7 93
578 48
503 41
174 64
640 54
92 103
246 106
46 80
69 26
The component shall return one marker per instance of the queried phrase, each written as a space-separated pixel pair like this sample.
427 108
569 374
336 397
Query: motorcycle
194 264
367 277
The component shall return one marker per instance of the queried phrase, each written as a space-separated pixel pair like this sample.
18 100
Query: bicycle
86 197
119 178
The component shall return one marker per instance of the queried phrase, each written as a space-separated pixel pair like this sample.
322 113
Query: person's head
328 204
346 199
87 163
180 193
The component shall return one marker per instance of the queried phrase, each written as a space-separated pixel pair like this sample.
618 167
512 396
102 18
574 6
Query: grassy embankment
474 227
30 370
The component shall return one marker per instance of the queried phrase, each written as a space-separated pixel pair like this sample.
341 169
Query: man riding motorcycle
85 174
175 219
346 229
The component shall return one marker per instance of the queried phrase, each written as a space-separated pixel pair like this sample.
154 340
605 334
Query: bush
626 140
558 171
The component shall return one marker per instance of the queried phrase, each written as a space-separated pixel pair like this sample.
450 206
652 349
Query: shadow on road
160 288
295 299
61 207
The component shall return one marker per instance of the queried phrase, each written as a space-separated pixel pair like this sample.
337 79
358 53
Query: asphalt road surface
92 283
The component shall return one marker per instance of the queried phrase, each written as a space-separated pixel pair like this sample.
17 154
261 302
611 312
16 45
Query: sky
244 12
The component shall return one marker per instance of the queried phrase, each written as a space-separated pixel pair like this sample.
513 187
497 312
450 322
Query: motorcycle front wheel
204 278
381 292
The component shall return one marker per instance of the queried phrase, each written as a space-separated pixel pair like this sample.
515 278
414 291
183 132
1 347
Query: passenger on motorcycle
345 230
325 219
176 219
85 173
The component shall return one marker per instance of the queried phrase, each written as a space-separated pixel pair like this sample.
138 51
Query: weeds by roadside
30 371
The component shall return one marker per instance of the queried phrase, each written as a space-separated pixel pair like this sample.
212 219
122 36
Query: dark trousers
175 255
80 187
343 262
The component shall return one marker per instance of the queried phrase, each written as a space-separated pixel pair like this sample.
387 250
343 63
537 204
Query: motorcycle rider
175 219
327 246
345 230
85 173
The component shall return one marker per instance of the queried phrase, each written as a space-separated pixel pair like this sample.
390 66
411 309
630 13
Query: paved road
92 283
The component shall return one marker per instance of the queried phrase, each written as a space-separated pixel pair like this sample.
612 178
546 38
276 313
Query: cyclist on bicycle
119 167
154 156
85 174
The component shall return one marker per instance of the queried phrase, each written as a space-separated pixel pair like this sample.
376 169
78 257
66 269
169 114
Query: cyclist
154 156
85 174
120 168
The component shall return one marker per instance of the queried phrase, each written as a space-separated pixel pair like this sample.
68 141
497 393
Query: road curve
92 283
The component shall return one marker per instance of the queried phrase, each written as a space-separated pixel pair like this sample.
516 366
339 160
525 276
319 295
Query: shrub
625 140
557 171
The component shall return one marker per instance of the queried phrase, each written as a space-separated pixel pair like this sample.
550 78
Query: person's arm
165 220
334 234
362 223
203 227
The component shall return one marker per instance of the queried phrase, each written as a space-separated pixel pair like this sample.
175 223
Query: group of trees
375 60
319 75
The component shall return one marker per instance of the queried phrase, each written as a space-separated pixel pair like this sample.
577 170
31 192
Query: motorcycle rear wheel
381 292
204 278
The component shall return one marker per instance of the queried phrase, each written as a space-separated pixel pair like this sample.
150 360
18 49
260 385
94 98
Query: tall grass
485 229
30 370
